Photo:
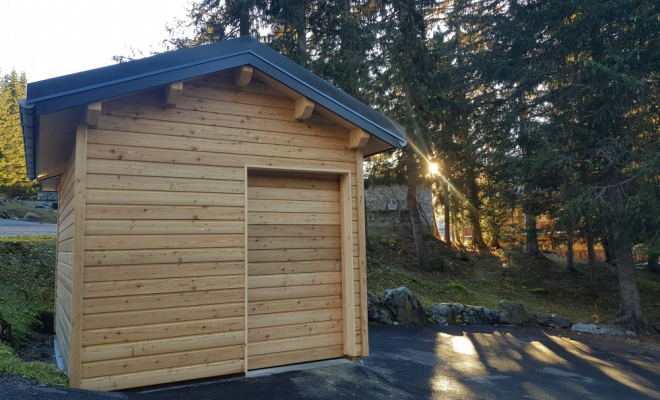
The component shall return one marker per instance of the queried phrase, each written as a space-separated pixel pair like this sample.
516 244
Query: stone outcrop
376 310
513 313
404 306
32 217
552 320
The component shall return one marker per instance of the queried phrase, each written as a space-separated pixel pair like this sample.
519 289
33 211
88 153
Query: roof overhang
72 93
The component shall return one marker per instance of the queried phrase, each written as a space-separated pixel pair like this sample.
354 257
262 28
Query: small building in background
387 206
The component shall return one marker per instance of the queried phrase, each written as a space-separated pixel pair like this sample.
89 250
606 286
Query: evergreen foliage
546 106
13 173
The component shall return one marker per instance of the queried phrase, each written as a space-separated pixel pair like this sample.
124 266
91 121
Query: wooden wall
164 291
64 267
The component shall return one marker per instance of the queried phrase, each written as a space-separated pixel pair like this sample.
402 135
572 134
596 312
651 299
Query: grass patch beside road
11 363
18 210
26 295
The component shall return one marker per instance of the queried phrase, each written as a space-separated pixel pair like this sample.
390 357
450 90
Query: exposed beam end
93 114
174 93
358 139
304 108
243 75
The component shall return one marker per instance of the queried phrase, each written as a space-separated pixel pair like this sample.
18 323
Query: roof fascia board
110 89
126 86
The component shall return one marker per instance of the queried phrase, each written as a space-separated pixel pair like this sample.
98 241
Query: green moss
456 286
541 291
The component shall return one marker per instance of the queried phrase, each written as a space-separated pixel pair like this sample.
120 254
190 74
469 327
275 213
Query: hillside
509 274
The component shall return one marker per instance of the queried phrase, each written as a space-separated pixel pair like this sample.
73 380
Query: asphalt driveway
433 362
10 227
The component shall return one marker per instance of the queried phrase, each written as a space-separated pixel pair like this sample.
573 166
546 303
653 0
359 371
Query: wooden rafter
304 108
174 93
93 114
358 139
243 75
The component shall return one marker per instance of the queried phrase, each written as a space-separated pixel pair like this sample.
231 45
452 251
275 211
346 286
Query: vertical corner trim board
80 195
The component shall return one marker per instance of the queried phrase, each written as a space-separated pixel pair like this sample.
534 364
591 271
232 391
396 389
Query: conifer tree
13 173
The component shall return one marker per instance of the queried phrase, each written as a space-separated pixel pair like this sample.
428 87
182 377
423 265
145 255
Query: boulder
595 329
493 317
479 315
404 306
376 310
513 313
32 217
552 320
444 314
475 315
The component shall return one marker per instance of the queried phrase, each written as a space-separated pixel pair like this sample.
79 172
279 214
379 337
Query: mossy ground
26 295
18 210
489 277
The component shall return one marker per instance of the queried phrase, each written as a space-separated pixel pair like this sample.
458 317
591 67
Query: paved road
432 362
10 227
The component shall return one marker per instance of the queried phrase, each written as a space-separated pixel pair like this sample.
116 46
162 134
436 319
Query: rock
376 310
493 317
462 256
595 329
479 315
552 320
443 312
458 308
404 307
474 315
4 215
32 217
513 313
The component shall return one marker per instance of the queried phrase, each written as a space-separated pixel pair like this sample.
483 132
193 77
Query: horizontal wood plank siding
64 264
165 239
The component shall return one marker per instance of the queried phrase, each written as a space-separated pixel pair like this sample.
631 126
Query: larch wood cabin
211 216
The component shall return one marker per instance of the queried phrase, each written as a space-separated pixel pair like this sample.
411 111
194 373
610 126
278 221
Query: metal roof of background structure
69 91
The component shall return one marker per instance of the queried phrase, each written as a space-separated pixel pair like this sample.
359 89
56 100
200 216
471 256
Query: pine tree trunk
477 235
630 305
652 263
244 19
570 265
531 240
445 188
301 31
413 211
591 252
436 233
609 253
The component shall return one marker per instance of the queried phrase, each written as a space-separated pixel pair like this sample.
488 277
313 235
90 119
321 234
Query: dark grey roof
52 95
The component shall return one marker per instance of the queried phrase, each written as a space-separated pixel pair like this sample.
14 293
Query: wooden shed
211 214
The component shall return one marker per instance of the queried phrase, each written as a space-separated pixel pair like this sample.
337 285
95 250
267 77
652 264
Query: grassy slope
27 293
19 210
489 278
